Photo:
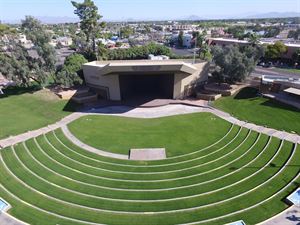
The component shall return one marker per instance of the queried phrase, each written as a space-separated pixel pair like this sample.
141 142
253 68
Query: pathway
291 216
168 110
7 219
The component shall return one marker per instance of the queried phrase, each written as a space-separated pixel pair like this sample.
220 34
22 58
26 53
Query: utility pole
194 61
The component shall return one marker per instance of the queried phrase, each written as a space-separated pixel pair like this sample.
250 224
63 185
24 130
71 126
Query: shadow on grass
276 104
72 107
251 93
247 93
11 91
14 91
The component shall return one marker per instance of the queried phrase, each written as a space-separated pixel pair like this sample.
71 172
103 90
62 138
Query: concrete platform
147 103
147 154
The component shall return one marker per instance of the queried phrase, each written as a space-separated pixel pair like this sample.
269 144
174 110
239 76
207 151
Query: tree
15 66
125 32
296 56
24 66
180 39
204 52
199 42
276 50
88 15
102 52
254 39
71 73
295 34
272 32
40 38
255 51
232 64
236 31
138 52
199 38
6 30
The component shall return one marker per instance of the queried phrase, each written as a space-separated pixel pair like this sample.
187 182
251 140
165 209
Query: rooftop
144 66
270 79
293 91
271 41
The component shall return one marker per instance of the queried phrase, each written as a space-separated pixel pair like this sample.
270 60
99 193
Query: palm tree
254 39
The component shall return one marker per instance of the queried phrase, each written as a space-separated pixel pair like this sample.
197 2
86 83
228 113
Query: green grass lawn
296 71
178 134
247 106
48 180
42 177
21 111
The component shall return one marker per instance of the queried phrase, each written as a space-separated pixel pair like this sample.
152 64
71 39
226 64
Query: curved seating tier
49 180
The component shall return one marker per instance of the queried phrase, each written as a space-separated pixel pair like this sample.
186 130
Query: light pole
194 61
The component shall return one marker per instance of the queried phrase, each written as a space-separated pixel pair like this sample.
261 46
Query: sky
147 9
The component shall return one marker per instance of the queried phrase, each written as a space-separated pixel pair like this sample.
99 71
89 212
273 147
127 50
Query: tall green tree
6 30
272 32
199 38
232 64
71 73
34 31
14 65
296 56
102 52
276 50
180 39
254 39
125 32
199 42
89 17
138 52
295 34
236 31
19 65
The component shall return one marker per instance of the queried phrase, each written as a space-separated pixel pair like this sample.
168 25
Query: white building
187 40
158 57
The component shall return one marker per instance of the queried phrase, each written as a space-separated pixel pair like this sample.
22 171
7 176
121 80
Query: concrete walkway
89 148
168 110
291 216
6 219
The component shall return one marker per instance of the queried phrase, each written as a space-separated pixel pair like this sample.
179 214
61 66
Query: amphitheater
243 175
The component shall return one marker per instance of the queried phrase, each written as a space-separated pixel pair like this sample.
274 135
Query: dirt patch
46 94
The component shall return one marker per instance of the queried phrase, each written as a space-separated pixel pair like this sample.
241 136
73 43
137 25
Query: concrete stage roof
145 66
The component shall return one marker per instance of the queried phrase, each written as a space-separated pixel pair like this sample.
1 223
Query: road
274 72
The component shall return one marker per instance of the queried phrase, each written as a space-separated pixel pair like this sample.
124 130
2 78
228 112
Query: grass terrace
178 134
24 109
238 174
247 106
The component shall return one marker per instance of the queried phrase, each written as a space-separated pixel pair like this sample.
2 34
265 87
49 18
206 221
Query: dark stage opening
146 86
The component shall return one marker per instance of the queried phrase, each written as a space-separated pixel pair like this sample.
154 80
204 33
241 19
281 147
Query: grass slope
21 111
272 175
178 134
246 105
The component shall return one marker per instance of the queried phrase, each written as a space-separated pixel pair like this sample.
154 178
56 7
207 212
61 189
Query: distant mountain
249 15
193 17
242 16
275 15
